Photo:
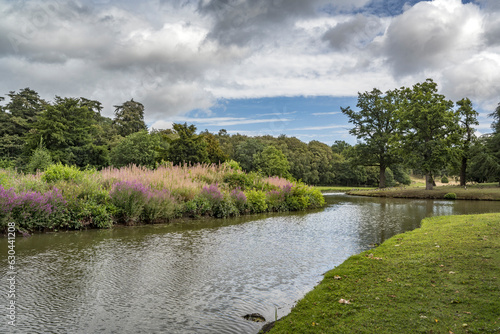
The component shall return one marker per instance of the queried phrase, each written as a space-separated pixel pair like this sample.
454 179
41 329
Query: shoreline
441 277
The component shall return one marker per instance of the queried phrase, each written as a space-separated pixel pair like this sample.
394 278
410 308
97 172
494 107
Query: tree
375 124
215 153
429 129
246 151
17 118
468 118
188 147
493 143
129 118
272 162
138 148
66 128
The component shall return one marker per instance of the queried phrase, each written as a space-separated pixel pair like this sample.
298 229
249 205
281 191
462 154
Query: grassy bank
339 189
441 278
490 191
64 197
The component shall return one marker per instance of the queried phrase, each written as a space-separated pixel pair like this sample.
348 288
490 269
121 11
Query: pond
197 276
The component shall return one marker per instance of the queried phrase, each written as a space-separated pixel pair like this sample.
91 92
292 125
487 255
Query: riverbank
441 278
490 191
66 198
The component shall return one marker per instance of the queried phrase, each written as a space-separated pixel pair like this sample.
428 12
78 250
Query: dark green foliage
444 179
246 151
129 118
376 125
215 153
450 196
139 148
17 119
272 162
188 147
428 129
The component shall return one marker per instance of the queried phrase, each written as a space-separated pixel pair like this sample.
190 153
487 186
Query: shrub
450 196
40 160
239 199
130 199
316 199
33 210
275 200
159 206
444 179
59 172
256 201
298 199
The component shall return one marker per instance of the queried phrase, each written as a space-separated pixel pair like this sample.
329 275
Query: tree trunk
429 182
463 176
382 177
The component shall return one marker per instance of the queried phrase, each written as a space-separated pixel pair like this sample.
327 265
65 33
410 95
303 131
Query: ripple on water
201 279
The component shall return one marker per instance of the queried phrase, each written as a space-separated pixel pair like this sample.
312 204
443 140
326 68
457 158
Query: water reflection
198 277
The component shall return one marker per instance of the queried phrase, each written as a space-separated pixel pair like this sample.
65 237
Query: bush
276 200
444 179
298 200
450 196
239 199
33 210
40 160
256 201
316 199
159 206
130 199
60 172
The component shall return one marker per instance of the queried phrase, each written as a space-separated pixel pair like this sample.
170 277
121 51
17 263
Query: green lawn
441 278
340 189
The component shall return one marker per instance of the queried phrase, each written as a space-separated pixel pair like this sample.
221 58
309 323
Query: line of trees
397 130
418 128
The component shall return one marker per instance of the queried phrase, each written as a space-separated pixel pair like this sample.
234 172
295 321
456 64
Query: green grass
340 189
441 278
489 191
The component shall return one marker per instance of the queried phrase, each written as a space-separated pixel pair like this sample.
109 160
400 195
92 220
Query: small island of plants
65 197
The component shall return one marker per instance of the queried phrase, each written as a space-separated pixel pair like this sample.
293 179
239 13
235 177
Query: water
198 276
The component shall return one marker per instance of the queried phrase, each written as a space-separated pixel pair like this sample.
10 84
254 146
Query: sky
253 67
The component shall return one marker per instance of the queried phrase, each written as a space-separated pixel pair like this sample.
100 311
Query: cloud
431 35
357 31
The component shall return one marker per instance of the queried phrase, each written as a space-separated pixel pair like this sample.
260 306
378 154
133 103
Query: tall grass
136 194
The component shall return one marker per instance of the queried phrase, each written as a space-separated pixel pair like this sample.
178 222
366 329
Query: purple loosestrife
212 193
33 209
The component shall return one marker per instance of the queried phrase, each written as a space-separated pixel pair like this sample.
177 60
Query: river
197 276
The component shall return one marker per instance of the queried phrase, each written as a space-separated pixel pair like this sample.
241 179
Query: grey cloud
358 31
239 22
492 29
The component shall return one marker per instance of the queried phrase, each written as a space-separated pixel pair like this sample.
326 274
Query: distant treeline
35 134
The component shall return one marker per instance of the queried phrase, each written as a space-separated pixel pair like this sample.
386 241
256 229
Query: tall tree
375 124
66 129
129 118
188 147
494 141
245 152
139 148
272 162
17 118
429 128
214 150
468 118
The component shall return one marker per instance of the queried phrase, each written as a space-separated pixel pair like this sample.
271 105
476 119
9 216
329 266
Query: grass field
441 278
486 191
340 189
